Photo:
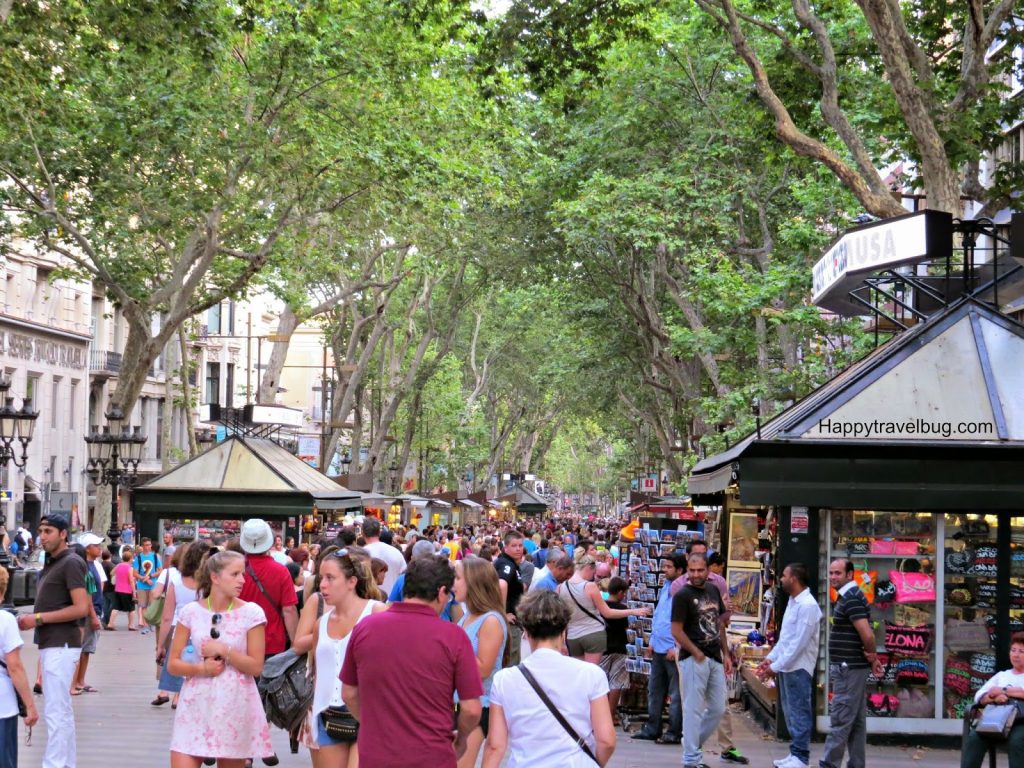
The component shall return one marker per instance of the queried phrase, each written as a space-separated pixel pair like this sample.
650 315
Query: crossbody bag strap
259 584
558 715
573 597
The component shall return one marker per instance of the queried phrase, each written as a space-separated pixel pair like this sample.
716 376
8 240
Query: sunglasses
214 632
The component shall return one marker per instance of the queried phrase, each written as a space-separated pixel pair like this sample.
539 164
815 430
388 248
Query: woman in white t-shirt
1006 687
181 590
523 723
12 678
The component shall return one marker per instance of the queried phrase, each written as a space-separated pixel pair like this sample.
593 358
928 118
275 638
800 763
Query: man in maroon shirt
407 719
269 585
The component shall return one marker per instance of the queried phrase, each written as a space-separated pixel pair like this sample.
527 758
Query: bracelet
39 619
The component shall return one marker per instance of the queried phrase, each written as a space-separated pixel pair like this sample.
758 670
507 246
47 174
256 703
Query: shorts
144 597
614 666
123 602
485 719
89 638
595 642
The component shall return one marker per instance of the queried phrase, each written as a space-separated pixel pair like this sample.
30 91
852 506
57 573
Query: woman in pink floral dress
218 648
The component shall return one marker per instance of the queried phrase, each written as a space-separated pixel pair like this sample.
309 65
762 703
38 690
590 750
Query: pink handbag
905 548
913 587
883 547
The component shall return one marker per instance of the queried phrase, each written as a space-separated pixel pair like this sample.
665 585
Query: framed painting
745 592
743 540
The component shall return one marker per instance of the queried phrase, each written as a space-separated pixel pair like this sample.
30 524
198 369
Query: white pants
58 670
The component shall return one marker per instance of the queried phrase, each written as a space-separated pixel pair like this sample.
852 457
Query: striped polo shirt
844 644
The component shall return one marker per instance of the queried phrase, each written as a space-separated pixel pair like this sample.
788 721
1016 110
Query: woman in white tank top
344 584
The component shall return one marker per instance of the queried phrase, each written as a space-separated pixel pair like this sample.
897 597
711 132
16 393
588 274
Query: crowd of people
492 622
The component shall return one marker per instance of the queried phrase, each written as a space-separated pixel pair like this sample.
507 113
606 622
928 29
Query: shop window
969 559
894 555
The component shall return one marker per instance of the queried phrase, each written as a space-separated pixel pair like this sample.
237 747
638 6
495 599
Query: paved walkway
118 727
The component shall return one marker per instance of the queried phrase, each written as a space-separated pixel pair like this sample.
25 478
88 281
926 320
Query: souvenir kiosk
910 463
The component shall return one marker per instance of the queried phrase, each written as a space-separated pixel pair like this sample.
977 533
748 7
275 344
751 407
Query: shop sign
905 239
648 485
32 349
799 520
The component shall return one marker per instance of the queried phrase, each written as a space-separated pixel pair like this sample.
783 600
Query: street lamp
114 456
15 425
393 475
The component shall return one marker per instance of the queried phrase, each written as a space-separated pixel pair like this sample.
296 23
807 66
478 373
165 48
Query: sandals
159 701
87 689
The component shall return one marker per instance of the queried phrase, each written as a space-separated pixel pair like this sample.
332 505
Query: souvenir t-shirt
699 610
146 565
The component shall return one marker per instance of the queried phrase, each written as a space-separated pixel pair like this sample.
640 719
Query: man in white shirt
389 554
793 660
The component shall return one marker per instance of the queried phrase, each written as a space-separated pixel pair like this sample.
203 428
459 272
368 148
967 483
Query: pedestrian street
117 726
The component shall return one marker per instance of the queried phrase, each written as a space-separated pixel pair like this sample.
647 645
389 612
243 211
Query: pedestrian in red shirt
405 719
269 585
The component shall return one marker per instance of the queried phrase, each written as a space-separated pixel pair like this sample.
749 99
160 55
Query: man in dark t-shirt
852 657
512 588
698 626
61 602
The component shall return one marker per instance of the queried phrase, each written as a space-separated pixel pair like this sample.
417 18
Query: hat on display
89 539
256 537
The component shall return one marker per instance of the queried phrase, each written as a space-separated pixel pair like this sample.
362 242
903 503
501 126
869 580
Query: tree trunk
186 393
271 379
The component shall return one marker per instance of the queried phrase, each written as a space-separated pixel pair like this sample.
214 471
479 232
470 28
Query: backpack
286 690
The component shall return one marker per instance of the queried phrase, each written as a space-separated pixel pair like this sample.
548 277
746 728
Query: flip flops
88 689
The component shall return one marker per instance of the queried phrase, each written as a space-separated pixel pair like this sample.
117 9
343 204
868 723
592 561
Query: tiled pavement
118 727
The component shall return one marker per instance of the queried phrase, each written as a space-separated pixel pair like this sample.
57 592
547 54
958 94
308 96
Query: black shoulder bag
22 711
558 715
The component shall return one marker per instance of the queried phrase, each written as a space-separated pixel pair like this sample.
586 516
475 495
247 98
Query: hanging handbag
907 640
997 720
912 672
885 593
962 636
882 704
913 586
340 724
957 679
914 703
959 562
566 726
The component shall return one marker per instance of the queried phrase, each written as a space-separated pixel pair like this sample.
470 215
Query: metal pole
248 361
323 413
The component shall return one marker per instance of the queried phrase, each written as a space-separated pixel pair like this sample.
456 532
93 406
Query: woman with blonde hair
218 647
476 587
586 637
344 586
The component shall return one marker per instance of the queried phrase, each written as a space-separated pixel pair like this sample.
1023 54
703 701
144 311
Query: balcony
103 364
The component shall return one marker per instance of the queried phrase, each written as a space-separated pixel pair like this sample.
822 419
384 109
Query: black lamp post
15 426
114 456
393 475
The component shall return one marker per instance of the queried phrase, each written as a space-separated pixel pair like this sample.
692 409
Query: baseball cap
55 521
89 539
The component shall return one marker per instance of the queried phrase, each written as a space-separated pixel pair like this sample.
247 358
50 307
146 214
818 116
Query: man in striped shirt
852 657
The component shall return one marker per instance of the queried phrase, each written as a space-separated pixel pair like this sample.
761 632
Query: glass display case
894 555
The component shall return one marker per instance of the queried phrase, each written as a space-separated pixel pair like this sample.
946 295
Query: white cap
89 539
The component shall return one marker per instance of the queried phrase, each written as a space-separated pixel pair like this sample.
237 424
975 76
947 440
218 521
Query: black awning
934 476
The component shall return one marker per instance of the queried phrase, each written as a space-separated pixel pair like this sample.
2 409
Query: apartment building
45 338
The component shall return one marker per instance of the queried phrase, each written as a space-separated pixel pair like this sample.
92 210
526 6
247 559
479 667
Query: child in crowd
613 662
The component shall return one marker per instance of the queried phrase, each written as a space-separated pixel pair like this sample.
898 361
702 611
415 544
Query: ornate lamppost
16 426
114 456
